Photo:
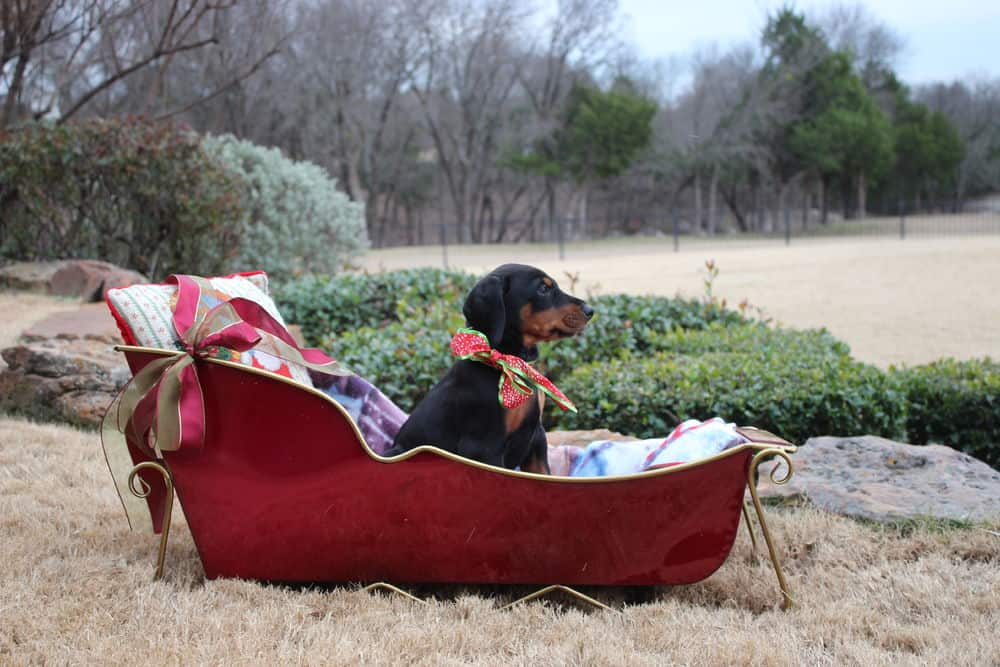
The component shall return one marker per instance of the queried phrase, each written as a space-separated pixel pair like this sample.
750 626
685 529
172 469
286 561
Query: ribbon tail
119 462
309 357
180 408
117 428
546 385
559 398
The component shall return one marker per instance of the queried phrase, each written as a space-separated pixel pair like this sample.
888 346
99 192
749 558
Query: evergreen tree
845 136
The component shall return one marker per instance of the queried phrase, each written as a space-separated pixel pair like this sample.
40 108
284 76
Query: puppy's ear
484 308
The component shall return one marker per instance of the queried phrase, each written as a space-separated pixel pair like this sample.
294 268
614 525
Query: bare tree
579 43
62 57
468 68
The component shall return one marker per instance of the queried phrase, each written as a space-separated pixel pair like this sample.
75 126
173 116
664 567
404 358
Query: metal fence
930 222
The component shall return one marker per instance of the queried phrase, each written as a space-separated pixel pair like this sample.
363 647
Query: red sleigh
303 498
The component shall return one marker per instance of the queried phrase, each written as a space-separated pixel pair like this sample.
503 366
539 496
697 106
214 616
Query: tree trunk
743 219
755 207
824 199
697 202
14 90
779 209
862 196
713 187
805 208
550 189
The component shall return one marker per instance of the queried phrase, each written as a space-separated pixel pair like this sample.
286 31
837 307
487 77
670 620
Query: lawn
77 585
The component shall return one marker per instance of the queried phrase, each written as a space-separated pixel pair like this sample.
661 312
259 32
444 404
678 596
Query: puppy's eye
543 289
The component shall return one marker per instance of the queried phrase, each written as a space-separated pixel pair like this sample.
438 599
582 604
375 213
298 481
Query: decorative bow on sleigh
518 380
163 407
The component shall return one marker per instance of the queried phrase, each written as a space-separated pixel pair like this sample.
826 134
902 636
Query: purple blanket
378 418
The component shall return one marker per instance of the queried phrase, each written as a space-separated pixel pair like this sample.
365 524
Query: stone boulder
877 479
85 279
61 379
64 368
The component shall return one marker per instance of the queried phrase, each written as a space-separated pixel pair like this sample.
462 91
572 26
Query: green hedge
327 307
159 198
797 396
645 363
405 357
750 336
625 325
955 403
394 327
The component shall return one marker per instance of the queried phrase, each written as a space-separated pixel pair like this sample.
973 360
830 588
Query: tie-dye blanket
379 419
690 441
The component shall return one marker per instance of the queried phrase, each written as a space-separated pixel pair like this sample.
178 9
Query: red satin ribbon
518 380
166 399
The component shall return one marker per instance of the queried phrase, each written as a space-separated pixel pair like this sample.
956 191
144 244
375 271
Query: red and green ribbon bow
518 380
163 408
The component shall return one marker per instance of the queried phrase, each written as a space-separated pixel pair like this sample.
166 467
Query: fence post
788 225
902 218
444 246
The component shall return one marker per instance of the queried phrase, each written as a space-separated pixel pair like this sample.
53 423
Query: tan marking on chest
514 417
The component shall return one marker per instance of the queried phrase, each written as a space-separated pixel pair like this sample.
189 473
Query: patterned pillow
144 314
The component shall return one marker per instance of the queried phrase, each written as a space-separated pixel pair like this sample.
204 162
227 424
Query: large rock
64 368
68 380
85 279
90 320
881 480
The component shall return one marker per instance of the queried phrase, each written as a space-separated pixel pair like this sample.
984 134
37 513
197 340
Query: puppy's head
519 306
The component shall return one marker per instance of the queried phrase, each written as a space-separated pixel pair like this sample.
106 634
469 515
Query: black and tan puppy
516 307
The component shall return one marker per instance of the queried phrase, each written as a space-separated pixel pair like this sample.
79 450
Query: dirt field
893 301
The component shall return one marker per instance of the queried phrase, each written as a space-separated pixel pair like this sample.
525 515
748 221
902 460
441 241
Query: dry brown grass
77 589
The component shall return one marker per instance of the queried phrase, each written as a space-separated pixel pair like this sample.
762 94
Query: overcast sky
944 39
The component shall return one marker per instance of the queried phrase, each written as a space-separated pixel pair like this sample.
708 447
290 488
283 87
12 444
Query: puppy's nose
588 312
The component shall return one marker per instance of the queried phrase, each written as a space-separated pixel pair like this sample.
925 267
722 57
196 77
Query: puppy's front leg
538 458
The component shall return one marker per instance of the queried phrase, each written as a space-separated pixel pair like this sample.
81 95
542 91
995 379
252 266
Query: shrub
294 218
394 327
407 356
140 194
329 307
751 337
797 395
626 324
956 403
